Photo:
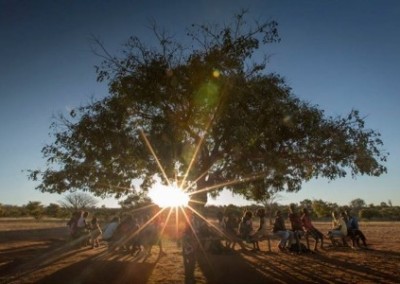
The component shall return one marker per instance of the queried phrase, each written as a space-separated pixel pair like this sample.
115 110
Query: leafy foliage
212 114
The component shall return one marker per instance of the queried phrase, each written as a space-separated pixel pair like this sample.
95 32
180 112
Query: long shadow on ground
92 270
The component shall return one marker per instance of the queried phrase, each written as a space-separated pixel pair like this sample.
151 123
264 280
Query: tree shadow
20 258
95 270
102 267
264 267
34 234
235 268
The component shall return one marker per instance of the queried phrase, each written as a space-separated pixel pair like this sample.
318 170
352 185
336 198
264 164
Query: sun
168 196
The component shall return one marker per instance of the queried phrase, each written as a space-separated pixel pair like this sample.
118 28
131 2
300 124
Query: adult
83 228
339 229
296 225
311 230
72 224
262 230
353 230
155 238
280 231
231 229
110 229
246 229
189 248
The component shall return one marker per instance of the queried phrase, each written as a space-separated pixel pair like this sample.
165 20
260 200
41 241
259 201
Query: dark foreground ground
41 255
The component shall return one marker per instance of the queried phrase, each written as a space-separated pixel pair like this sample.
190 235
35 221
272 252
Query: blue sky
336 54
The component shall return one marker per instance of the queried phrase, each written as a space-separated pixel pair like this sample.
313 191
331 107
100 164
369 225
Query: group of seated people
343 227
130 234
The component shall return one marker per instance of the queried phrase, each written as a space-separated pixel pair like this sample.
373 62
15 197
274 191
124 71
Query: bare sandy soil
40 254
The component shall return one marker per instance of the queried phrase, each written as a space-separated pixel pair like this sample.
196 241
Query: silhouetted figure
189 249
73 224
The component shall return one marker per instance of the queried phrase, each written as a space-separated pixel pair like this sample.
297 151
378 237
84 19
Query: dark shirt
279 224
295 221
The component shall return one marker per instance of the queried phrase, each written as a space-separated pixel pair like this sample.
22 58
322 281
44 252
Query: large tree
210 113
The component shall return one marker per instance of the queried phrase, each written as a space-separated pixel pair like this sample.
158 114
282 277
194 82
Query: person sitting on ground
311 230
246 228
95 232
295 222
353 231
262 230
339 229
279 230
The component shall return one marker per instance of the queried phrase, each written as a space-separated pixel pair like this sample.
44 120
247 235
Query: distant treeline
321 210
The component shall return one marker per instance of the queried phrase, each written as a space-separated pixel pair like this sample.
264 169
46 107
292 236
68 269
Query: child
95 232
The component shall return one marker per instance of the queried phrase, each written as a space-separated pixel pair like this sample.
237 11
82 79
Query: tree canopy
210 113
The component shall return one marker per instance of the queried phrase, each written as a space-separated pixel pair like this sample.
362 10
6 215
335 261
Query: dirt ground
30 254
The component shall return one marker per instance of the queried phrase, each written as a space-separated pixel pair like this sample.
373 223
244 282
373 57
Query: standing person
339 229
95 232
279 229
189 248
353 230
157 225
311 230
73 224
296 225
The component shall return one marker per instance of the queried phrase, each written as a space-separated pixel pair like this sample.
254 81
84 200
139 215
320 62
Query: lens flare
168 196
